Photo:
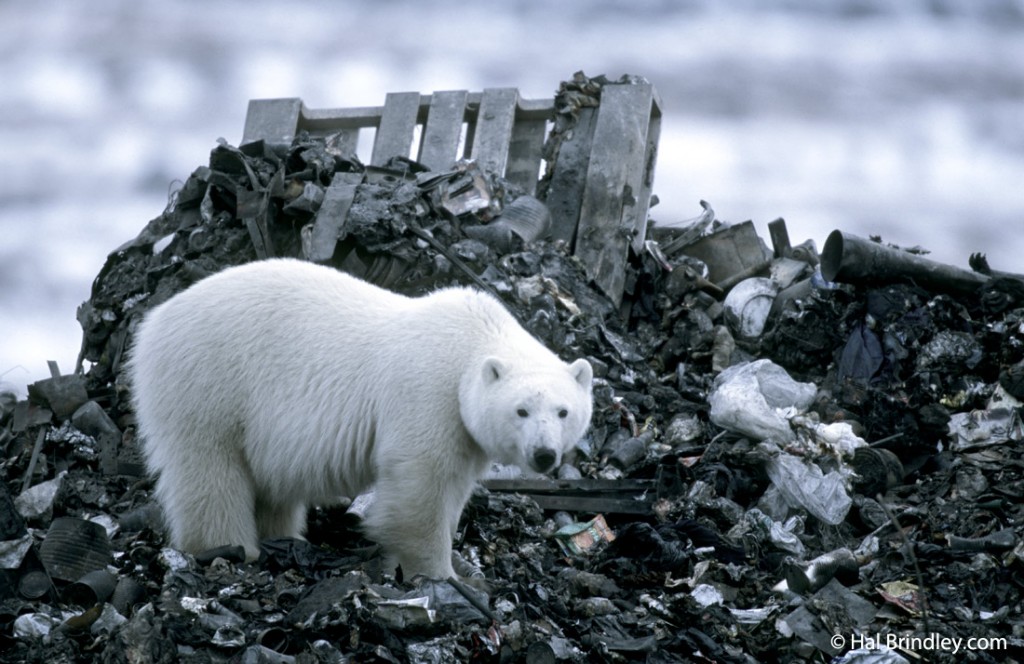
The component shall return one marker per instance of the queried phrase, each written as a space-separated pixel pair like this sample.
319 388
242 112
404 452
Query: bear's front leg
274 520
413 515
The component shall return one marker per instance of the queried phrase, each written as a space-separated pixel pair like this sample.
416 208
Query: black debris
778 455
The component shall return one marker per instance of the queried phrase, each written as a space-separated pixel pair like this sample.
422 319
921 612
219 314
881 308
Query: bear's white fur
280 384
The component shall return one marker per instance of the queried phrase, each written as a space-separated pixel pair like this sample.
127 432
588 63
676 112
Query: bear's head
527 416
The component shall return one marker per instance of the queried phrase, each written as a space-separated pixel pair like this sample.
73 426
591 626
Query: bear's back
284 328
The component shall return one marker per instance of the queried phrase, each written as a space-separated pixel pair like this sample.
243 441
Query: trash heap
791 458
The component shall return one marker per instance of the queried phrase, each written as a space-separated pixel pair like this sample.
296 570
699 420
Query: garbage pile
791 458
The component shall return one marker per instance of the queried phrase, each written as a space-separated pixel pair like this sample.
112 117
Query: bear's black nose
543 459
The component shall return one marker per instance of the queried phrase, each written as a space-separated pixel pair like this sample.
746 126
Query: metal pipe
851 259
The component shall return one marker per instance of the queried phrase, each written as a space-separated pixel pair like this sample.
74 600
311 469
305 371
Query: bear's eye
522 412
563 413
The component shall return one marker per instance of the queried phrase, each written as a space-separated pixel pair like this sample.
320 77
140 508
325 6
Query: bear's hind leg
210 504
280 520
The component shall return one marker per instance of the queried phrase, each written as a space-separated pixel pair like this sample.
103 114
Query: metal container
73 548
94 588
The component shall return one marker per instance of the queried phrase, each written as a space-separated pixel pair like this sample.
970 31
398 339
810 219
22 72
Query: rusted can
74 547
94 588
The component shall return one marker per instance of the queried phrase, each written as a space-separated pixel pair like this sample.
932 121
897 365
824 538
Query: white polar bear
280 384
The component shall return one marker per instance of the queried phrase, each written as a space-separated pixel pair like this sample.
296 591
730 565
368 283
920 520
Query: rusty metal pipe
851 259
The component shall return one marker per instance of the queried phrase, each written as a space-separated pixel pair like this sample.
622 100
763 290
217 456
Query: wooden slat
492 130
609 209
326 120
331 216
440 144
272 120
595 505
397 123
524 153
643 199
625 496
565 191
585 485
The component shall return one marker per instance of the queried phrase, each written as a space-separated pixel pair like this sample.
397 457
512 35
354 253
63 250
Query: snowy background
901 118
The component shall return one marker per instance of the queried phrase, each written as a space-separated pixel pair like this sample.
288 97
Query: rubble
791 459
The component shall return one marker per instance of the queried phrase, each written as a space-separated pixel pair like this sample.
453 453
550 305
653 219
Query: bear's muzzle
543 459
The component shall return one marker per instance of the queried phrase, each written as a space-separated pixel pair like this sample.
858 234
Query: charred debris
794 456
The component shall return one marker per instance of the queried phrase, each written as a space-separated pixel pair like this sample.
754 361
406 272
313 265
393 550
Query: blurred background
898 118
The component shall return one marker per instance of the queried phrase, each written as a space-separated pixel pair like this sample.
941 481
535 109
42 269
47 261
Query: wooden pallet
600 186
502 132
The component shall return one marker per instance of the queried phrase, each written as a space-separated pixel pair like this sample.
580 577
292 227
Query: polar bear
280 384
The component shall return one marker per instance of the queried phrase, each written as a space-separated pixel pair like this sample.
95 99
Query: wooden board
569 177
272 120
610 210
440 142
643 199
331 216
397 126
625 496
583 485
490 136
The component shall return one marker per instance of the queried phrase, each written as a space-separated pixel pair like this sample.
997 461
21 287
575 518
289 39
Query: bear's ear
582 372
493 369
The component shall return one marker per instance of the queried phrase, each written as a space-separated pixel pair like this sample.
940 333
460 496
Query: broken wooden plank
584 485
488 143
643 199
623 496
592 505
331 216
609 212
397 124
568 179
274 121
440 143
